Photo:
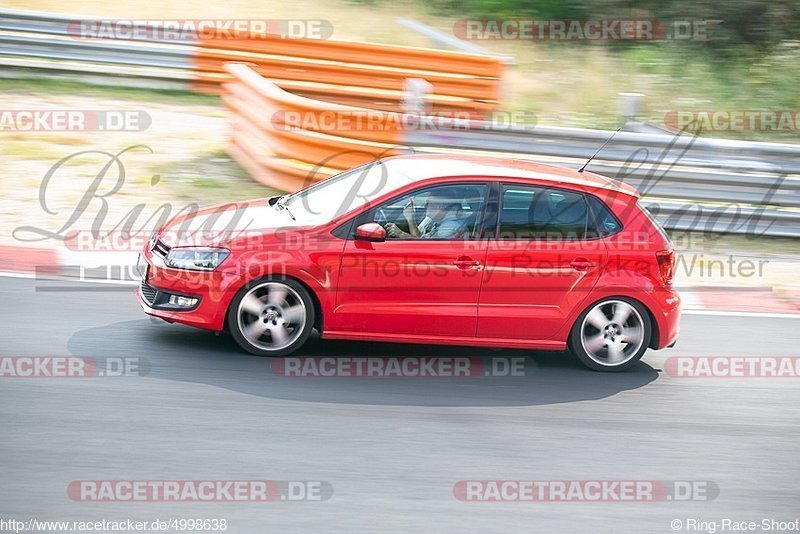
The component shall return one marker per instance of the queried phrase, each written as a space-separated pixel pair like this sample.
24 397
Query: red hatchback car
427 249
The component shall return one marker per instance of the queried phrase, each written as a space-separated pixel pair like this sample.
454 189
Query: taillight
666 266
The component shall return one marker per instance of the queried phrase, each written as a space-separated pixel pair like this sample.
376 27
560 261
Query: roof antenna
599 149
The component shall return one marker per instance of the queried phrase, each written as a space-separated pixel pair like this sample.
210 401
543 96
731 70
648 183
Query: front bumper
158 299
214 291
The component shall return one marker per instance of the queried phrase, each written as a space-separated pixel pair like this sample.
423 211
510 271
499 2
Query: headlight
196 258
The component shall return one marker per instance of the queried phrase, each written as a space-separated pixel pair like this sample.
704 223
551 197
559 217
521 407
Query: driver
443 218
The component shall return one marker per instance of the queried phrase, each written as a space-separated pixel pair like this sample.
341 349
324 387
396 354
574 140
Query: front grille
161 248
148 292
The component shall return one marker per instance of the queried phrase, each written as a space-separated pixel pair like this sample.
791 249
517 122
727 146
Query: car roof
426 166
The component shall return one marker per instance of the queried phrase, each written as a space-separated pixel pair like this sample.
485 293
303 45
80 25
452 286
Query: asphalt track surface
392 449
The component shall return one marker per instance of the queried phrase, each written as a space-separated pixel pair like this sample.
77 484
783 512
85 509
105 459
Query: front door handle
465 263
581 264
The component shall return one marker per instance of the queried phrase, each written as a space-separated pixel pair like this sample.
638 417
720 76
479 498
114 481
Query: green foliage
495 9
758 25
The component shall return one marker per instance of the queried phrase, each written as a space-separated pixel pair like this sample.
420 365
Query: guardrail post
417 96
629 106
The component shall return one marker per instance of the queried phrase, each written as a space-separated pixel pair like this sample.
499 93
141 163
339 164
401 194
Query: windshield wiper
280 206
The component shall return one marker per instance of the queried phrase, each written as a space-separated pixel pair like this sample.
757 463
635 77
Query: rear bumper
666 310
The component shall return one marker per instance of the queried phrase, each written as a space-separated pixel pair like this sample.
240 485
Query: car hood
225 223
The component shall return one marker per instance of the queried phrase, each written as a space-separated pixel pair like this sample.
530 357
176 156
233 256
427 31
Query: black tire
632 353
239 318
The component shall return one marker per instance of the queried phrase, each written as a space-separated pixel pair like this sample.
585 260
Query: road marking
689 300
765 315
29 276
17 275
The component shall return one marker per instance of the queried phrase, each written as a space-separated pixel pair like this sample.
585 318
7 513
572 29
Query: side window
530 212
444 212
602 223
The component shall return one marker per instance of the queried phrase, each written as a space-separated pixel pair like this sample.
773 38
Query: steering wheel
380 217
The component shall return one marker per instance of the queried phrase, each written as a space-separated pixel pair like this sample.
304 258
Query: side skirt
444 340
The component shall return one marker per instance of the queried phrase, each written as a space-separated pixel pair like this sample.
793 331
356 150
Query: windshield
342 193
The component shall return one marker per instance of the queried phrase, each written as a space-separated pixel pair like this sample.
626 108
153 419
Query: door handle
465 263
581 264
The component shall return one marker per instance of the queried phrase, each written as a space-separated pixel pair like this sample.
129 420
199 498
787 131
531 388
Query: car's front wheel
611 335
271 317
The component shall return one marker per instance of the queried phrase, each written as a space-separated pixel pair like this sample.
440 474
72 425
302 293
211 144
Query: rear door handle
581 264
465 262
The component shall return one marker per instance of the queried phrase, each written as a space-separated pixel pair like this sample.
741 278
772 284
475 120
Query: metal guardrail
711 185
132 53
39 22
448 39
752 221
582 143
33 43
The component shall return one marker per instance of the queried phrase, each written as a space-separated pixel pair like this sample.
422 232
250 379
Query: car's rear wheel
611 335
271 317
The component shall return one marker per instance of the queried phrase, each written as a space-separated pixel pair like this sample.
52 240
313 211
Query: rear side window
602 223
653 220
532 212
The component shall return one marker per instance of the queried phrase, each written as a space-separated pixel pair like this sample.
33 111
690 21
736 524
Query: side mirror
370 232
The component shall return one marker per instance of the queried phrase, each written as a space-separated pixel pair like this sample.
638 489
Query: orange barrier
404 57
362 74
357 96
384 100
287 141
